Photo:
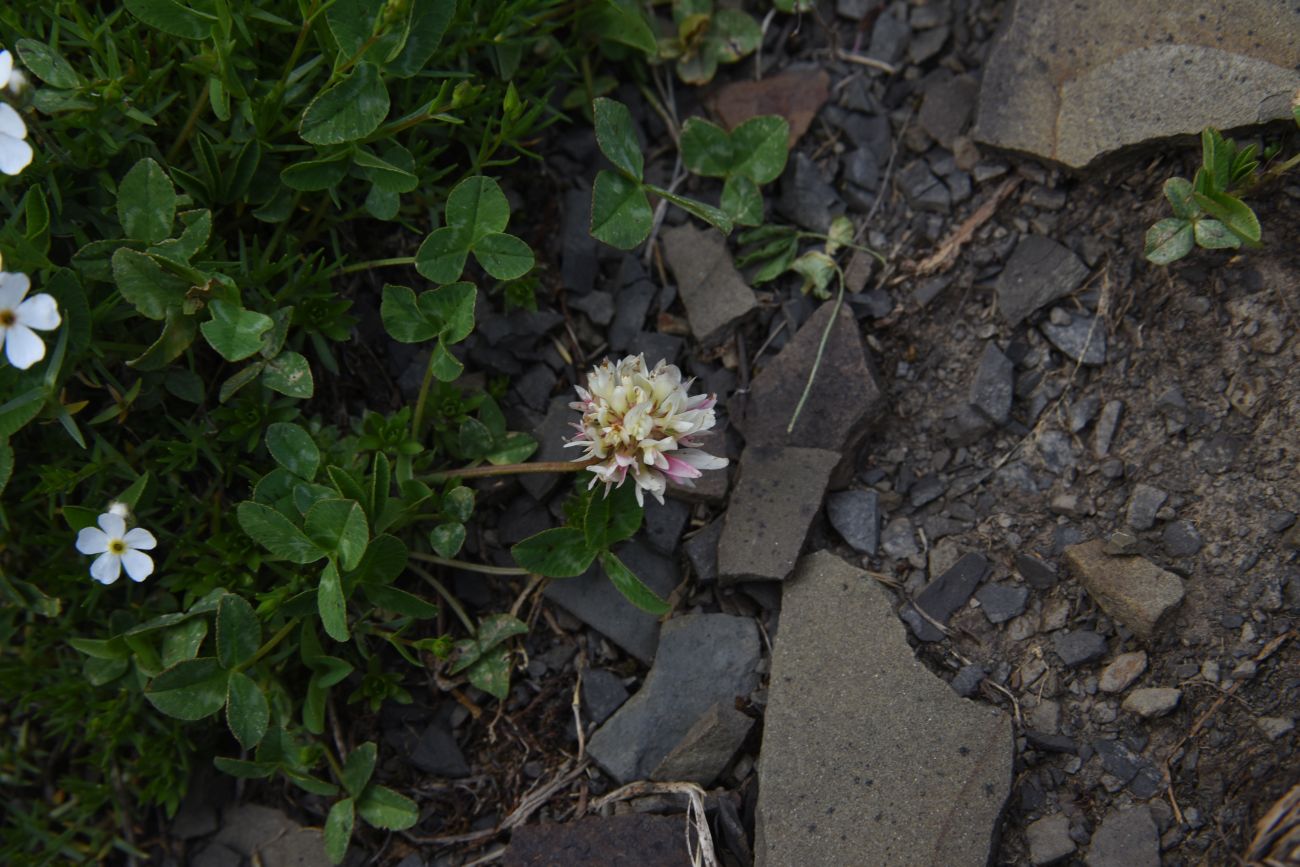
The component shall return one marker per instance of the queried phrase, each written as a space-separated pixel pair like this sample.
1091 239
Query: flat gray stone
702 659
1132 589
702 552
1059 81
1126 838
1181 539
1082 340
1049 840
870 760
593 599
708 747
947 106
1039 272
776 498
270 838
714 293
855 515
994 385
924 191
1079 647
1143 504
664 523
846 397
806 197
1001 602
603 693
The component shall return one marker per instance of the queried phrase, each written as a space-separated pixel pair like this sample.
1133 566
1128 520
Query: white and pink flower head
641 423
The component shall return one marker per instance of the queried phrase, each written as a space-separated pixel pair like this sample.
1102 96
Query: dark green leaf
458 503
274 532
399 601
631 586
402 316
289 374
338 830
1235 214
429 20
616 135
330 603
198 228
247 713
384 808
183 640
312 175
145 285
173 17
503 256
441 258
339 526
239 634
294 449
476 207
146 202
620 21
235 333
358 768
475 439
1168 240
347 111
742 201
713 216
491 673
1179 193
385 175
706 148
1213 235
384 560
47 64
561 552
189 690
515 448
761 148
620 213
244 770
452 307
1216 155
444 365
179 331
446 539
496 628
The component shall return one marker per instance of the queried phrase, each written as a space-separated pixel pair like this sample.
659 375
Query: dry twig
704 856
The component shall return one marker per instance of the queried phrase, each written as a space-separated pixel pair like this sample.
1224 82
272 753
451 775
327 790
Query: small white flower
117 548
15 153
18 318
642 423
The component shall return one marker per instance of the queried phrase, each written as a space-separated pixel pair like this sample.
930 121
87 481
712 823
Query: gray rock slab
1153 701
855 515
436 752
1036 573
714 293
1122 671
847 395
1201 63
710 745
776 498
870 760
702 659
993 387
1049 840
1039 272
271 838
593 599
943 596
1001 602
554 431
665 522
630 313
702 552
1181 539
1132 589
947 106
924 191
1079 647
1143 504
807 198
1126 838
603 693
633 840
1082 340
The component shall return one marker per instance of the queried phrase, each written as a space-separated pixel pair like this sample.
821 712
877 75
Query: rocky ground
1033 466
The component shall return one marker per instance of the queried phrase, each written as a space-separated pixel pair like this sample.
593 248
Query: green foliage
1208 210
704 36
751 155
620 210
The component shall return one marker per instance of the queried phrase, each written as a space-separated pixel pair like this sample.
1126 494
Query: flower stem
418 416
821 348
447 597
480 472
377 263
269 645
469 567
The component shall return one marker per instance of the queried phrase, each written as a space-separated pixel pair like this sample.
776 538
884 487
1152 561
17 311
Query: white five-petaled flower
641 423
18 318
15 152
118 549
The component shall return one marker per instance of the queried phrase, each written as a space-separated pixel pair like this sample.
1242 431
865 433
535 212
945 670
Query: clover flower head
15 152
118 549
641 422
20 320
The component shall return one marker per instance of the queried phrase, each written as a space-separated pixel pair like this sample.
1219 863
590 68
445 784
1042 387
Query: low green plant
1208 210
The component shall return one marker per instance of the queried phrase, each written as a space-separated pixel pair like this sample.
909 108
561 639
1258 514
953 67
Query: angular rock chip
1039 272
846 397
1132 589
855 515
775 501
617 841
552 433
1152 701
708 747
713 291
593 599
872 760
1049 840
702 659
1126 838
1202 64
943 596
994 384
1120 674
